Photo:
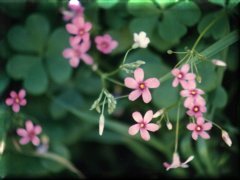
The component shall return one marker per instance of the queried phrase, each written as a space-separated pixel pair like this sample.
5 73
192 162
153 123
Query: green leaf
142 8
106 4
59 69
37 27
4 81
220 97
36 81
19 66
218 2
14 9
170 29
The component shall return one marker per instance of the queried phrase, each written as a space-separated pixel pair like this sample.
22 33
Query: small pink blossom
79 27
199 128
182 76
143 125
77 52
141 86
176 163
197 108
16 100
192 95
105 43
30 133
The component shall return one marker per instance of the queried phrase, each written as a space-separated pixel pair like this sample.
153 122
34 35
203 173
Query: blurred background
32 38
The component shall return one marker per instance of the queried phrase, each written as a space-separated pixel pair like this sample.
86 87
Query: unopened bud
169 51
101 124
158 113
219 63
226 138
2 146
199 79
169 125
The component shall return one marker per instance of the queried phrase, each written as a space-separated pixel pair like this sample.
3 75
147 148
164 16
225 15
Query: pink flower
143 125
197 108
30 133
77 52
105 43
141 86
193 95
199 128
79 27
16 100
182 76
176 163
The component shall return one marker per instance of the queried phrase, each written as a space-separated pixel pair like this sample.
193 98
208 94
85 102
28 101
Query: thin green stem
121 97
177 129
215 124
115 81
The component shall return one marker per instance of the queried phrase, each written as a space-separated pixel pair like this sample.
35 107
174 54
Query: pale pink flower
78 52
192 95
76 9
199 128
79 27
197 108
141 86
182 76
30 133
226 138
140 40
105 43
143 125
176 163
16 100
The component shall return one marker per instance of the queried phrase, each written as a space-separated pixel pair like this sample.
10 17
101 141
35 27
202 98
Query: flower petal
24 140
146 95
16 108
207 126
74 62
152 83
185 68
68 53
13 94
144 134
78 21
35 140
194 135
37 129
191 126
175 82
9 101
139 75
190 76
29 125
88 26
189 101
72 29
184 93
87 59
133 129
22 94
200 120
137 116
148 116
130 83
134 95
175 72
22 132
204 135
23 102
152 127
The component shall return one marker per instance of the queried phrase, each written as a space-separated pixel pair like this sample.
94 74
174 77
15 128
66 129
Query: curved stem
177 128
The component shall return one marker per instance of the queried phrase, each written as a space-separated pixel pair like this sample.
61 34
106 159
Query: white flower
140 40
176 163
158 113
101 124
226 138
218 62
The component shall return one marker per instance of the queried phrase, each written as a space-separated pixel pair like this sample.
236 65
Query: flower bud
219 63
169 125
2 147
158 113
101 124
226 138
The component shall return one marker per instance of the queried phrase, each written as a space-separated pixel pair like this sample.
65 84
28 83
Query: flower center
78 53
142 125
81 32
104 45
195 109
17 100
193 92
198 128
180 76
31 134
142 86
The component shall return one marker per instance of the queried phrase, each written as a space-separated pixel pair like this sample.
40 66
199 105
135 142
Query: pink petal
87 59
74 62
35 141
133 129
184 84
185 68
190 112
139 75
13 94
16 108
184 93
203 109
78 22
204 135
22 94
98 39
137 116
29 125
23 102
37 129
194 135
144 134
190 76
22 132
9 101
148 116
87 26
85 46
200 91
175 72
114 44
175 82
188 102
24 140
166 165
200 120
190 85
68 53
152 83
207 126
130 83
146 95
152 127
191 126
74 41
134 95
200 101
72 29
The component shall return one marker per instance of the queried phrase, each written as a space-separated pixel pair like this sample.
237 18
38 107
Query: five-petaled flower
182 76
199 128
105 43
176 163
143 125
16 100
141 86
140 40
30 133
197 108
